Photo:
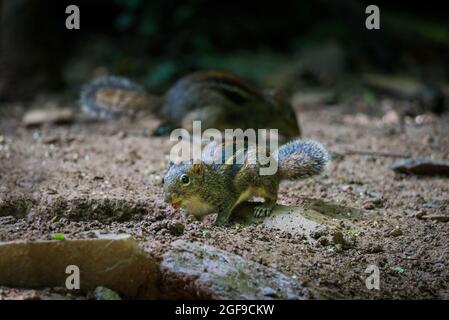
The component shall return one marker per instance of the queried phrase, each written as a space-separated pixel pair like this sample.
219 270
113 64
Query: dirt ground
86 176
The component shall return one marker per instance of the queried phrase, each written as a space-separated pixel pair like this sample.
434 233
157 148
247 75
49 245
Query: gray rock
195 270
396 232
437 217
421 167
307 219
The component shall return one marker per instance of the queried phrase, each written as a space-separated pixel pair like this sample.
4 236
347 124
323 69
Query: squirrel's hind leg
265 209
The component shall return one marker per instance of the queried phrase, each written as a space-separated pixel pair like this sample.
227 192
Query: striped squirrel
218 99
205 187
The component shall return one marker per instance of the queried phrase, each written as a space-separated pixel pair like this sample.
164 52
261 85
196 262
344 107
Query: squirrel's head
182 181
286 121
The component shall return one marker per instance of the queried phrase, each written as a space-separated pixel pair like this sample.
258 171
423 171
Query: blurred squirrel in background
218 99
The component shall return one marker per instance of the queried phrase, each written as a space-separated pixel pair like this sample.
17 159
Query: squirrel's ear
170 163
197 168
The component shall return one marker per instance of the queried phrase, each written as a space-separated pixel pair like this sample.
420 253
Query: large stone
181 270
113 261
311 216
195 270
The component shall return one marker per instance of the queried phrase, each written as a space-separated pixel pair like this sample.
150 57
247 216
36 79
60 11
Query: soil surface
84 176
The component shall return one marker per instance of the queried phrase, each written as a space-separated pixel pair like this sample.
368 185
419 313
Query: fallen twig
421 166
375 153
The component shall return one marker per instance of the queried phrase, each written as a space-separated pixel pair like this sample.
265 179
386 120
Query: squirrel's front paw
184 215
261 212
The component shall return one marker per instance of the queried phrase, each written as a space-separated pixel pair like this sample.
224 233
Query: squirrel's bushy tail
109 96
301 159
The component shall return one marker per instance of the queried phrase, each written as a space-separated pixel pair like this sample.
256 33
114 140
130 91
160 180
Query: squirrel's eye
185 179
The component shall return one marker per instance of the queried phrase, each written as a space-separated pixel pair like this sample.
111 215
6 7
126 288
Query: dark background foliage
157 41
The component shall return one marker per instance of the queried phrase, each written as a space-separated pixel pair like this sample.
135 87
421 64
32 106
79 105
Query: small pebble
396 232
103 293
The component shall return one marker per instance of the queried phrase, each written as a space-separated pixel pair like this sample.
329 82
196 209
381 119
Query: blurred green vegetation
287 44
158 41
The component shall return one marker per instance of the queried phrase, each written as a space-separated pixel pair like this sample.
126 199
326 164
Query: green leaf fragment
399 270
58 236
